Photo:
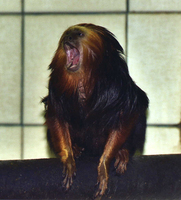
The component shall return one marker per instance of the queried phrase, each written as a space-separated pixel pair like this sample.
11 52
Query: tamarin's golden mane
89 46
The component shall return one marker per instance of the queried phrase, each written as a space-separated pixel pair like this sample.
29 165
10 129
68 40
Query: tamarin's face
82 46
71 41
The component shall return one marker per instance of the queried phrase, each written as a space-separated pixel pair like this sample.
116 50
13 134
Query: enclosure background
150 33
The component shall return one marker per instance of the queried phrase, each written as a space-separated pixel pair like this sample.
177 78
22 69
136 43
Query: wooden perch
147 177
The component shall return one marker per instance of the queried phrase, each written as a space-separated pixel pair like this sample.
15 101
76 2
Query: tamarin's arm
113 149
60 137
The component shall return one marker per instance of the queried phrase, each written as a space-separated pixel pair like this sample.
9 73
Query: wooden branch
147 177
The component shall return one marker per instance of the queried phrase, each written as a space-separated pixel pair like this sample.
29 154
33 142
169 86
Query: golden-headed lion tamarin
93 103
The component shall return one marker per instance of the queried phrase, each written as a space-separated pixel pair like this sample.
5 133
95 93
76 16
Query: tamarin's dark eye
80 34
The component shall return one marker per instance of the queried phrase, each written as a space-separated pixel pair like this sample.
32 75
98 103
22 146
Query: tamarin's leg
122 159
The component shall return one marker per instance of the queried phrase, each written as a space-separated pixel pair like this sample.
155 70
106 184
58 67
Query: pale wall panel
75 5
35 143
10 5
155 5
162 141
154 59
10 69
10 143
